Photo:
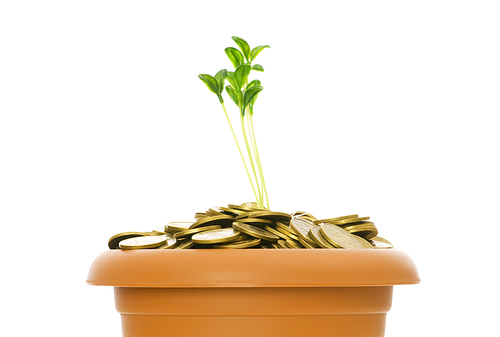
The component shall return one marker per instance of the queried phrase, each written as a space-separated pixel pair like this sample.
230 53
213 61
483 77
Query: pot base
291 312
367 325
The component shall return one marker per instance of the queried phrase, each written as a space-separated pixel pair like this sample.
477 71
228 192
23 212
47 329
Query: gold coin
362 224
302 228
365 230
114 241
160 230
257 222
282 244
280 225
229 211
319 238
212 212
222 220
189 232
248 225
339 237
216 236
287 233
305 215
154 233
251 205
243 237
307 218
378 238
170 244
269 215
200 215
241 207
255 231
349 221
186 244
143 242
277 233
333 220
310 241
169 235
292 244
380 243
363 242
239 244
307 245
177 226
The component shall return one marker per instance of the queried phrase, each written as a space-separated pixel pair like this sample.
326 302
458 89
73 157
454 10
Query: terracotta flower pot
253 292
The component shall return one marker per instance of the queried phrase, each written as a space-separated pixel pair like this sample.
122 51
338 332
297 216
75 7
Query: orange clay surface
253 292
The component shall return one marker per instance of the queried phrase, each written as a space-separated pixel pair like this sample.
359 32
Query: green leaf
250 94
235 95
254 83
256 51
211 83
257 67
230 78
220 77
241 75
245 48
235 56
232 94
239 94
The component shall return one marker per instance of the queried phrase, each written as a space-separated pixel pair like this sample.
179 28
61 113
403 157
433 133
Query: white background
382 108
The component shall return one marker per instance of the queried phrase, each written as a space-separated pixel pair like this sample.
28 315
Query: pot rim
217 268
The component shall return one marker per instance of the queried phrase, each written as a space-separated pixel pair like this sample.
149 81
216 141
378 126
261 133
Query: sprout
244 95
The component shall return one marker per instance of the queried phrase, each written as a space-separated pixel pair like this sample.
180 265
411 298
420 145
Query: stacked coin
248 226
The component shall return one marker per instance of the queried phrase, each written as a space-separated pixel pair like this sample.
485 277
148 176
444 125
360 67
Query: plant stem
259 164
242 118
253 140
239 150
254 153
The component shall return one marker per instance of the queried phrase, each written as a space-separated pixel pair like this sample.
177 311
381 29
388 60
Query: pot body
259 292
290 311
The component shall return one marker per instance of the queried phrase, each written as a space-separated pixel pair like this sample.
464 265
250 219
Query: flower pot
253 292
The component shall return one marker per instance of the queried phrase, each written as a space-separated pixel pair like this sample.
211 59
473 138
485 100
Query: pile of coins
247 226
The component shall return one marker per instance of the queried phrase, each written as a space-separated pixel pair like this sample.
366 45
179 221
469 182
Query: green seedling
244 94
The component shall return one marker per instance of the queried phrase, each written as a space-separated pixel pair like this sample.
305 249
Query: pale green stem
259 200
252 143
259 164
239 150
